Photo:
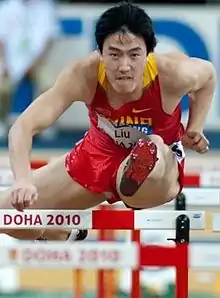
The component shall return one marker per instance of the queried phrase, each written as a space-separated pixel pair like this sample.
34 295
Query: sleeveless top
136 119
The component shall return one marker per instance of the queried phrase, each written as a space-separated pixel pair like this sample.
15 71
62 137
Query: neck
116 100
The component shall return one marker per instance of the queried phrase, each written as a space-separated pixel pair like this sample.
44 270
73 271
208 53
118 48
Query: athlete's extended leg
148 177
56 190
63 235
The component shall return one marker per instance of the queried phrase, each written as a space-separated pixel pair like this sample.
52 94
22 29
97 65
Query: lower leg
47 234
64 235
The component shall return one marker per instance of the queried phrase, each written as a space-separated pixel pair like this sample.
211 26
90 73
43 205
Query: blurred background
39 37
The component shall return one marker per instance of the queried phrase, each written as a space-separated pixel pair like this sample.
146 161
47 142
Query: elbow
205 78
211 78
210 73
209 69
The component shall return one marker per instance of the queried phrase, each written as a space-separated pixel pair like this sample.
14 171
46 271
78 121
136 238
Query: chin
125 89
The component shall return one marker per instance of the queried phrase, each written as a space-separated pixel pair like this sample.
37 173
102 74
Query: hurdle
204 179
195 197
109 254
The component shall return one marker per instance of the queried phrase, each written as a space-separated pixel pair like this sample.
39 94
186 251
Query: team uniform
94 161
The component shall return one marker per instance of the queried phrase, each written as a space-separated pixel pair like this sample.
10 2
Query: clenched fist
24 194
195 141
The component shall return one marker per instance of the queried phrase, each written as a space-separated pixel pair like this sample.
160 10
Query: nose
124 65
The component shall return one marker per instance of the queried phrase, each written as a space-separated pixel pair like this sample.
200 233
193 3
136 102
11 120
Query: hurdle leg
78 289
100 277
135 283
182 273
182 241
106 279
110 274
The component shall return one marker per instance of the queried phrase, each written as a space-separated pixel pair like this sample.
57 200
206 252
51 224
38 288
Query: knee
162 148
157 140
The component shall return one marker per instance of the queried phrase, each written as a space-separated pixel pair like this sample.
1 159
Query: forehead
124 41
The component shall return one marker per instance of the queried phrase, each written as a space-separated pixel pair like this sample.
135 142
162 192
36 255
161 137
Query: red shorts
95 167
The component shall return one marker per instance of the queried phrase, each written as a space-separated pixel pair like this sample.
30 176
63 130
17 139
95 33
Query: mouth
126 78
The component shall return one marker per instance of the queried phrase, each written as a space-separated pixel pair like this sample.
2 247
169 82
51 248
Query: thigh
57 190
158 188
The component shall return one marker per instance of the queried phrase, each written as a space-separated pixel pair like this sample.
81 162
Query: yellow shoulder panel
102 76
150 71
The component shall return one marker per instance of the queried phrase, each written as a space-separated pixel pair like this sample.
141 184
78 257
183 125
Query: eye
135 55
114 55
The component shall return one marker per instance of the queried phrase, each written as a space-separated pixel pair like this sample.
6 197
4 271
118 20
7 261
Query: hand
24 194
195 141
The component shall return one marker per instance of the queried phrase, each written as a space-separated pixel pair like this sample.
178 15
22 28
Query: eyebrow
111 48
135 49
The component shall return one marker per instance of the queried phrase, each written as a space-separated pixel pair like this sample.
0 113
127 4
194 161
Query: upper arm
75 83
183 74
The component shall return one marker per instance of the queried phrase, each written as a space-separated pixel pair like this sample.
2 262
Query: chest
132 120
144 112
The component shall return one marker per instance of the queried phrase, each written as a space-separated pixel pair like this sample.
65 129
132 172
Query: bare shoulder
80 77
171 59
88 66
182 73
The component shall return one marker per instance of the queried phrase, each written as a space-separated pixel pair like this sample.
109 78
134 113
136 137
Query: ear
100 54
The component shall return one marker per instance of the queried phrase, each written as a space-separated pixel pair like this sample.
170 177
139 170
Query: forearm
20 144
200 103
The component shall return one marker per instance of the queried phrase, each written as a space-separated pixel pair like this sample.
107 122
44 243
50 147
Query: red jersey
134 119
94 161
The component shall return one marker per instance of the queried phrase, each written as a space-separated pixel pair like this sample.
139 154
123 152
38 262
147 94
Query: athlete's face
124 56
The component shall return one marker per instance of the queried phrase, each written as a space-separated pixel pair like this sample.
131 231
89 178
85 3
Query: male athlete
132 151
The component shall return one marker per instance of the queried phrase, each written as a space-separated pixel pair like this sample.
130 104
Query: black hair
122 18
